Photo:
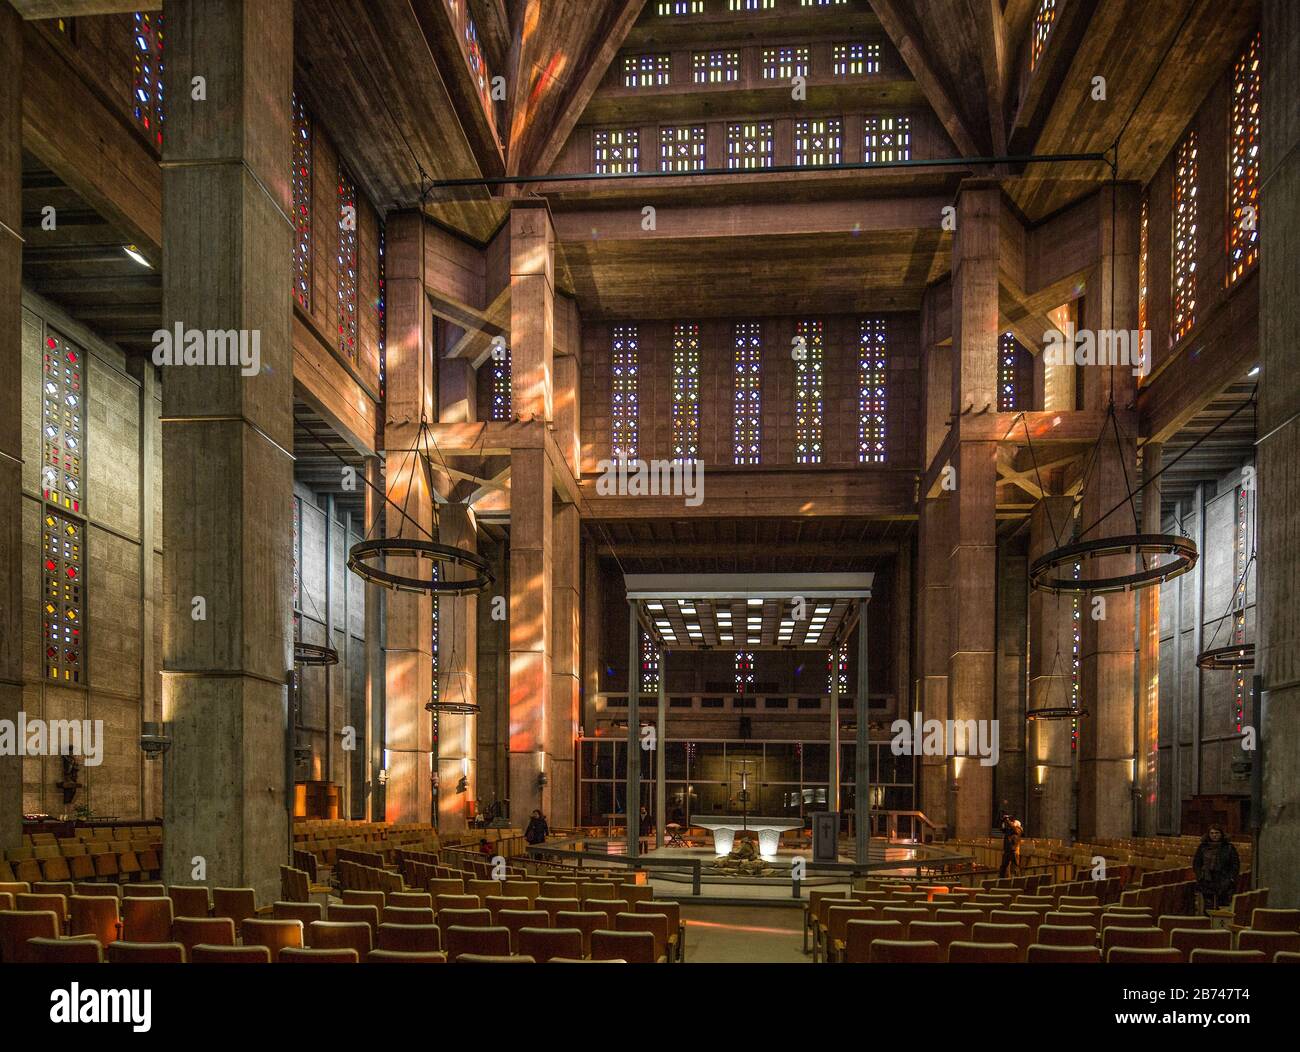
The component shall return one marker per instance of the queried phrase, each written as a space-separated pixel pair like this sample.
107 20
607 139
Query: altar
725 827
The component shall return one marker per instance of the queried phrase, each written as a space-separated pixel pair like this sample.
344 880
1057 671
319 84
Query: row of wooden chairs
101 865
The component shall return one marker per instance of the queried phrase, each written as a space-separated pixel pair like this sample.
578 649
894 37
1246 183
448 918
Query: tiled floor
743 935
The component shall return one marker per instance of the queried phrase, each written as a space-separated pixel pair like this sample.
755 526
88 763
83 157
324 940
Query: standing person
537 830
1216 865
1011 836
647 822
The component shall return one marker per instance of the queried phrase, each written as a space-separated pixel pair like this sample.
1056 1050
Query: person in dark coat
647 822
537 830
1216 865
1011 835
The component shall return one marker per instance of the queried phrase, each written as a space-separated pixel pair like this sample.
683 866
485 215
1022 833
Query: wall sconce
155 739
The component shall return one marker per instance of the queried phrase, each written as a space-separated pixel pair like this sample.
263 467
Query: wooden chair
554 906
348 935
676 929
492 958
146 952
33 903
1201 956
144 891
400 957
635 947
108 891
490 941
545 944
494 904
445 886
1169 921
859 935
147 920
203 931
235 903
189 900
410 938
1185 940
1143 955
1062 935
1040 953
586 921
54 887
1133 938
634 893
837 920
457 902
317 955
275 935
299 911
905 915
961 952
528 889
66 951
358 914
1270 941
95 915
965 917
1263 919
657 924
899 951
1020 935
514 920
483 889
943 933
558 889
410 900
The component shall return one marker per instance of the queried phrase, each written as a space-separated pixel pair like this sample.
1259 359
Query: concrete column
531 552
1278 650
1106 757
592 634
563 717
228 473
632 801
1051 641
408 513
932 612
972 565
1148 670
661 752
833 767
492 680
11 416
532 309
457 678
1009 774
375 665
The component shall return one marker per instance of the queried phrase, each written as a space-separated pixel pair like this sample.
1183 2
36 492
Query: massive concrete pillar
563 718
531 552
408 513
457 679
972 564
932 650
1012 600
11 416
1051 657
1278 653
1106 759
1148 670
375 600
532 309
492 679
227 470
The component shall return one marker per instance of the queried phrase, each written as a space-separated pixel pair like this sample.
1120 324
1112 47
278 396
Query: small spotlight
134 253
1254 371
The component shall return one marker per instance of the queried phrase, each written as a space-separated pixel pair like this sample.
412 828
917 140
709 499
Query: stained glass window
749 145
646 71
435 693
887 139
147 72
747 422
681 7
381 309
616 151
1239 598
838 663
63 424
63 570
853 60
502 402
1243 164
1076 652
821 3
744 671
297 553
819 142
715 67
478 65
347 277
623 406
1043 22
808 392
872 373
681 149
649 664
782 63
302 203
1008 392
1184 238
752 5
686 391
1143 249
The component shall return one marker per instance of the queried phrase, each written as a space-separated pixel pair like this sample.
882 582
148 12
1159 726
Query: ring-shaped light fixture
312 654
365 560
461 708
1042 572
1237 656
1058 712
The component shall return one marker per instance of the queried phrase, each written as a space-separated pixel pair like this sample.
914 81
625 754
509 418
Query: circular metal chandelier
1229 658
312 654
1054 712
365 559
460 708
1044 577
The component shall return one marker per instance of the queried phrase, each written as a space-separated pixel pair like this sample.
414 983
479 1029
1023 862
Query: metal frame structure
811 587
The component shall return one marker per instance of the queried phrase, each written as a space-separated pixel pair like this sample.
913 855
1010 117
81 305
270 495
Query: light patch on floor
743 935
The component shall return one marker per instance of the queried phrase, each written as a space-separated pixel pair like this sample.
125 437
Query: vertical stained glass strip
887 139
63 424
747 422
1008 394
1043 22
347 262
686 392
681 148
744 671
381 309
872 374
1243 163
1184 238
301 203
1143 253
649 664
809 353
502 402
623 405
147 72
63 570
839 664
